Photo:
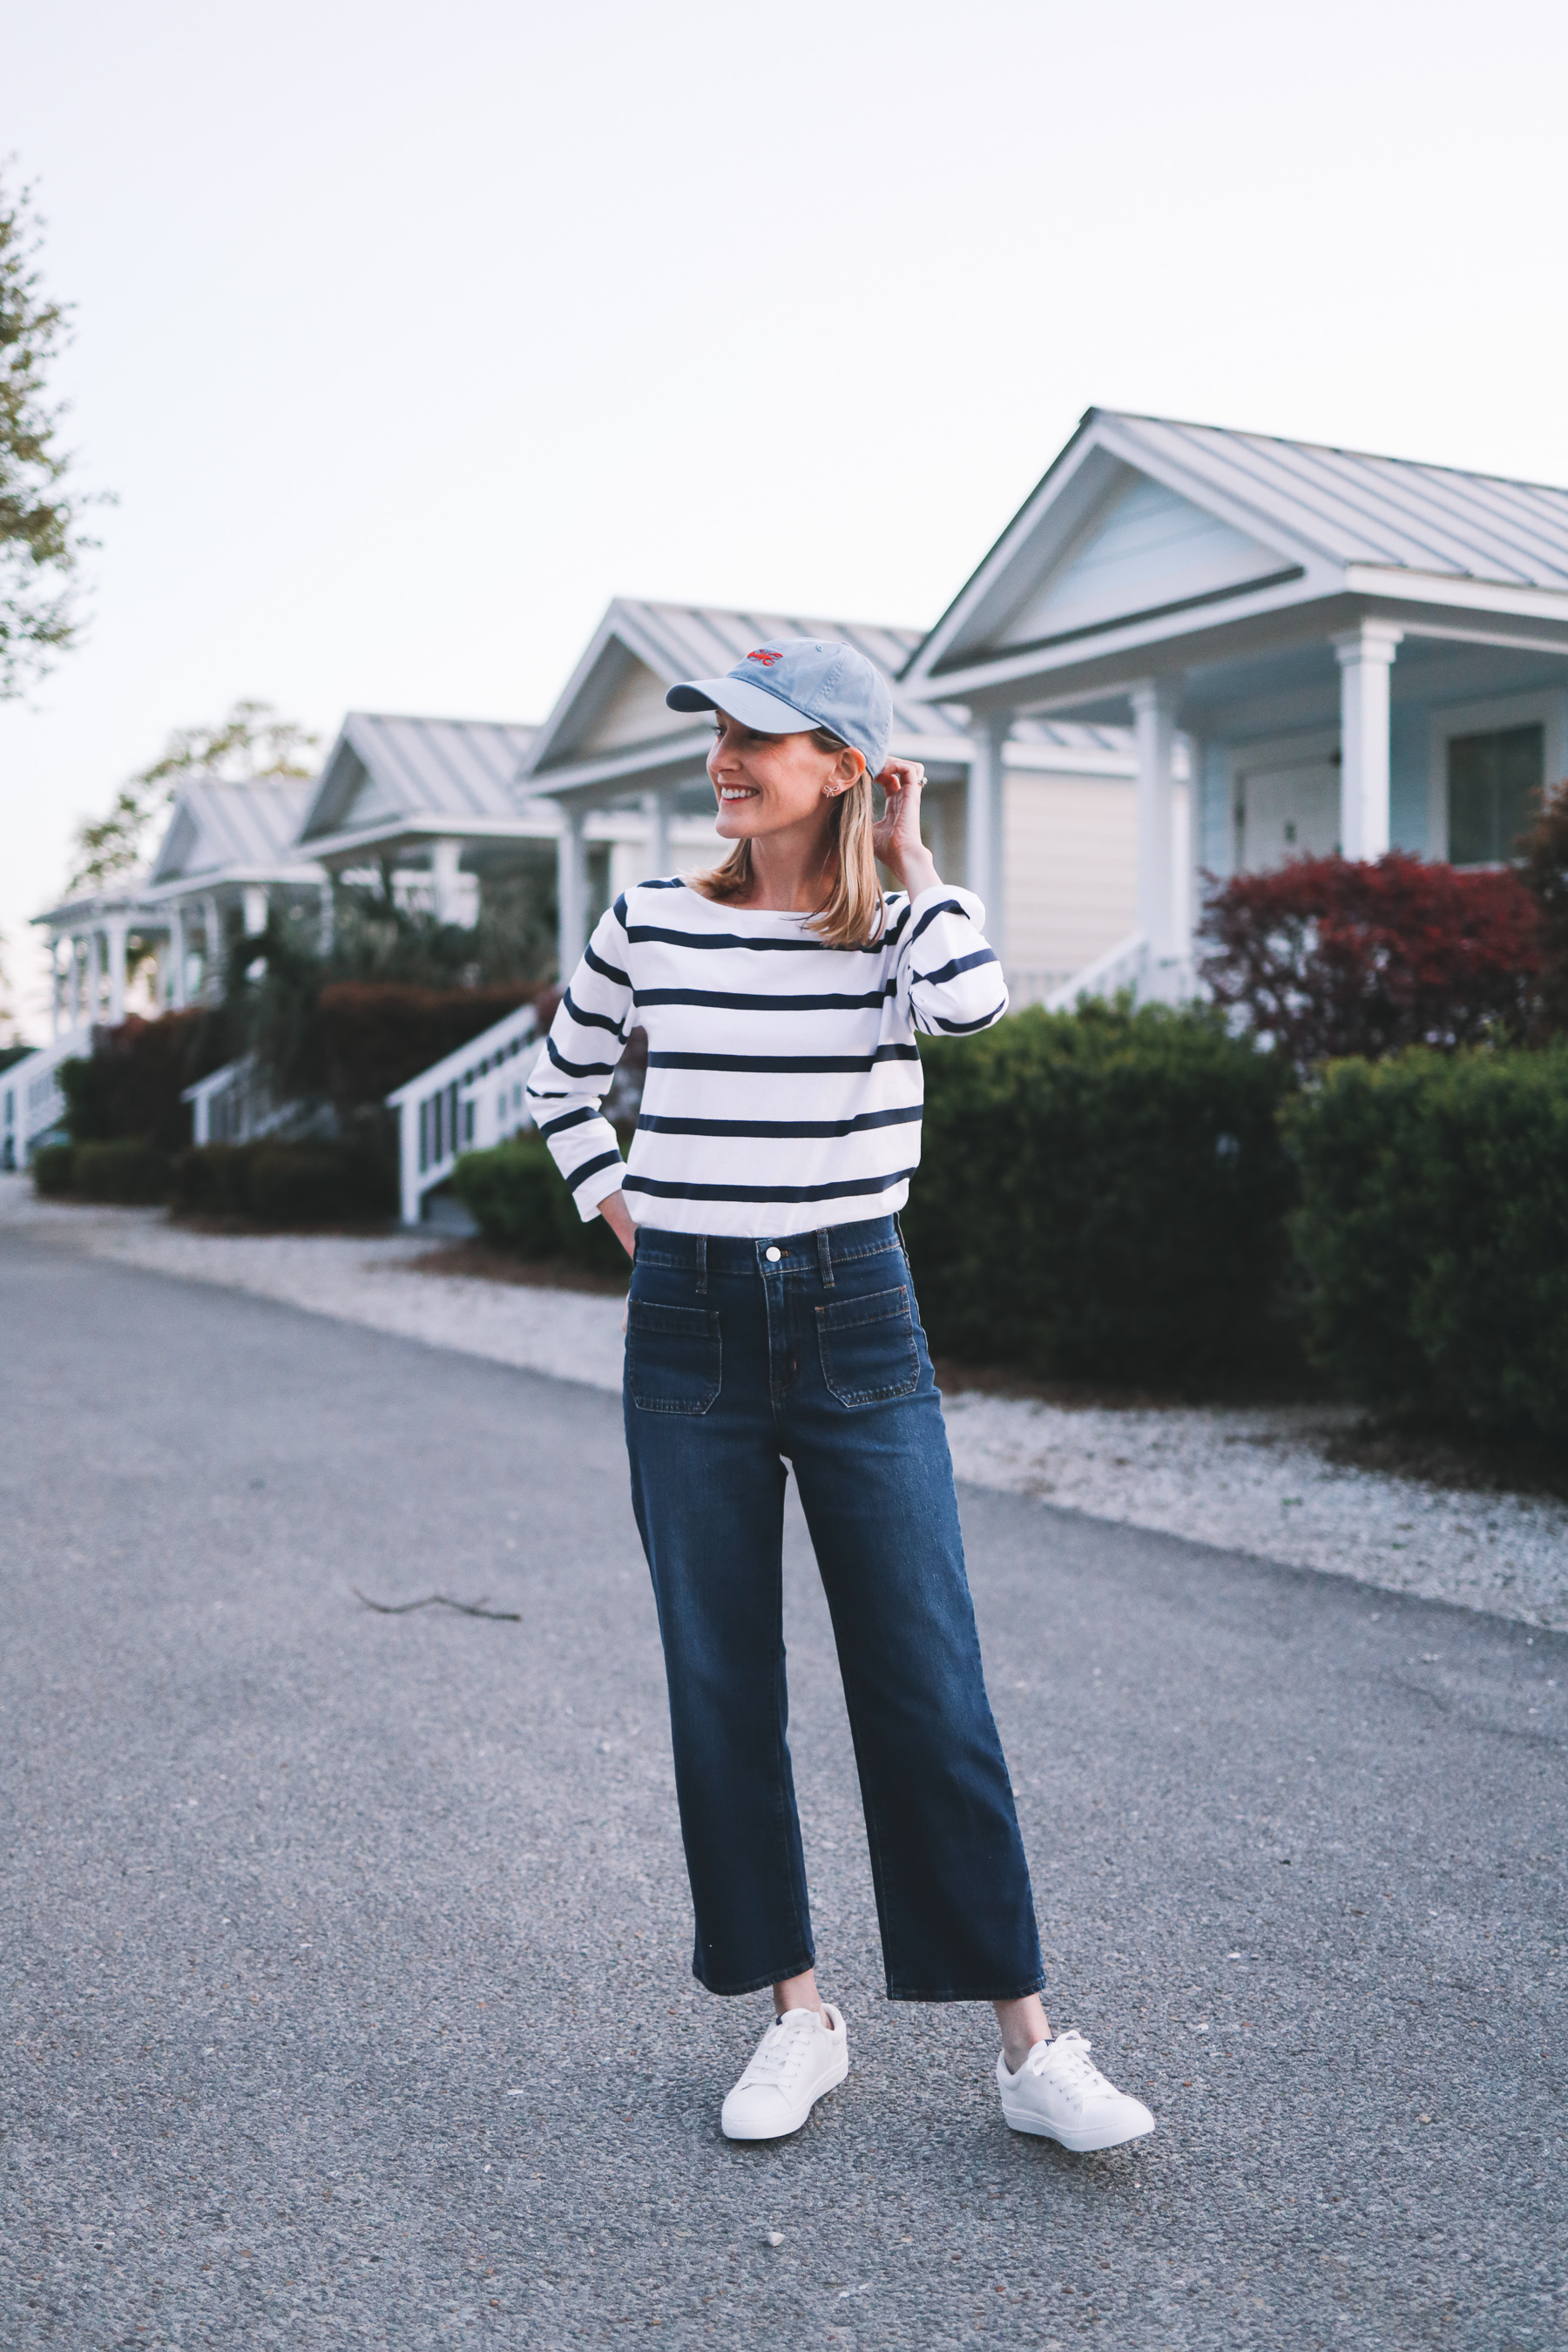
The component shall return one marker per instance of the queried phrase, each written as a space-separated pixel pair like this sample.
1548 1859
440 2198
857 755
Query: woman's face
767 783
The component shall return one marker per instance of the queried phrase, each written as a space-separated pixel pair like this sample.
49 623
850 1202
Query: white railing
472 1099
31 1103
1131 968
234 1104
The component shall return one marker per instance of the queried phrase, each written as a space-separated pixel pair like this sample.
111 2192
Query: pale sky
408 336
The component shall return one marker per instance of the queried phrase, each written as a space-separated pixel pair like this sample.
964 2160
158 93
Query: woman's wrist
916 871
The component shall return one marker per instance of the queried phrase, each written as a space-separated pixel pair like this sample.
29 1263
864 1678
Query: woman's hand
896 836
618 1217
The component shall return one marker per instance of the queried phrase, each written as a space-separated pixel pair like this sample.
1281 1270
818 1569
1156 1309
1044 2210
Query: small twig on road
438 1601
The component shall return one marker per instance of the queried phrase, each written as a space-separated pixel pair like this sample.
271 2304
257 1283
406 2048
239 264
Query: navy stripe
967 1028
950 971
734 1001
909 1115
578 1069
785 1064
619 910
767 1191
592 1168
638 933
606 970
943 906
677 882
571 1119
592 1020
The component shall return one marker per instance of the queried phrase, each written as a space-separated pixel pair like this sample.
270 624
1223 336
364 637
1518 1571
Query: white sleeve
948 971
579 1060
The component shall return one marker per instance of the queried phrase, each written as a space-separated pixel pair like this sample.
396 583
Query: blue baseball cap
798 683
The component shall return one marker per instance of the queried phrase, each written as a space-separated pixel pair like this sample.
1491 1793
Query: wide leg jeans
743 1355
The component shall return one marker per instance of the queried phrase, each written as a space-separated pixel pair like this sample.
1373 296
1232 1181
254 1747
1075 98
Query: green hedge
1102 1193
1434 1228
51 1169
518 1201
129 1172
283 1183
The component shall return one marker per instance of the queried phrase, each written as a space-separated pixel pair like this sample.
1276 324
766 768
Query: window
1492 780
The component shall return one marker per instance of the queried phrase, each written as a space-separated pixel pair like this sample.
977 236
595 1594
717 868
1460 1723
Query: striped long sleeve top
784 1085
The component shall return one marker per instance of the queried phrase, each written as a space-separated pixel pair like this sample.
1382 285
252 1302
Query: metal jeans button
773 1255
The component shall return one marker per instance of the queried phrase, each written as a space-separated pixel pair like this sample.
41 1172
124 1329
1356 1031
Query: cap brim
754 706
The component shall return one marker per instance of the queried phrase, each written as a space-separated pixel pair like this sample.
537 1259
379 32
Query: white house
1341 651
226 855
612 746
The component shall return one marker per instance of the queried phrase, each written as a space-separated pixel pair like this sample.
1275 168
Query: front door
1285 812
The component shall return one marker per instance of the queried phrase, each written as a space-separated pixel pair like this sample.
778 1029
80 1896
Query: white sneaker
1059 2094
797 2059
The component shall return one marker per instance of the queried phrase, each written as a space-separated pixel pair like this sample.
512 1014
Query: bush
1433 1225
131 1085
51 1167
1545 850
1327 956
130 1171
1102 1193
283 1183
376 1037
516 1197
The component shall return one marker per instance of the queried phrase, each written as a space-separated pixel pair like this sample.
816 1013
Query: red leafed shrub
129 1087
1328 956
376 1036
1545 848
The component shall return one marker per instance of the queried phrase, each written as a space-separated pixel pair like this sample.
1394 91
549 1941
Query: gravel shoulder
1252 1479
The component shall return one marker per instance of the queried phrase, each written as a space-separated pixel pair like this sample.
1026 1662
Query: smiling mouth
739 792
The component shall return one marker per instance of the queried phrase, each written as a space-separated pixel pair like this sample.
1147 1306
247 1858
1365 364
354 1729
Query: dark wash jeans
735 1360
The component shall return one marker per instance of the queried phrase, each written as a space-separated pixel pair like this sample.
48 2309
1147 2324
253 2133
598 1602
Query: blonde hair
855 914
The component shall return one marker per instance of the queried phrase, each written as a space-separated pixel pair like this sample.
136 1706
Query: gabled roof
218 824
382 768
613 704
1144 517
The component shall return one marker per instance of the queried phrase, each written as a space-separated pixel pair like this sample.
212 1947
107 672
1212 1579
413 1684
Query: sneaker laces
1068 2059
782 2050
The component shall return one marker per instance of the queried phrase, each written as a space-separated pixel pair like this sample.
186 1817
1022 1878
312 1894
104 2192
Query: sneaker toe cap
756 2111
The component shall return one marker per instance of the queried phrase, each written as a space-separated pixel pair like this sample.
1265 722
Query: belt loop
898 1228
701 1266
825 1256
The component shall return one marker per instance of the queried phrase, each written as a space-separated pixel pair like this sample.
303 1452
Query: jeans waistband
718 1254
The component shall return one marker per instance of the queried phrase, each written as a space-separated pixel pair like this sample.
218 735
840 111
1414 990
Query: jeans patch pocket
673 1361
867 1345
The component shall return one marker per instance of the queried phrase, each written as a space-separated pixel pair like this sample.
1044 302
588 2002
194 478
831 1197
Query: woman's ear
847 770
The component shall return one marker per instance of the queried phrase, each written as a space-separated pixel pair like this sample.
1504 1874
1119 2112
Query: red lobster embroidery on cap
763 655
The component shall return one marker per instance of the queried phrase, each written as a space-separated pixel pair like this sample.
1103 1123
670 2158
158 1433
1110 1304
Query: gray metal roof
681 641
418 767
217 823
1356 509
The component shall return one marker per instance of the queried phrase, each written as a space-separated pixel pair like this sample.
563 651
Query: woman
772 1320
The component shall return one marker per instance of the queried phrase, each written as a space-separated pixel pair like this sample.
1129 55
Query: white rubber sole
797 2116
1083 2143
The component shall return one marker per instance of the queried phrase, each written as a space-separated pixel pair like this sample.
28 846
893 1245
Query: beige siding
635 712
1071 860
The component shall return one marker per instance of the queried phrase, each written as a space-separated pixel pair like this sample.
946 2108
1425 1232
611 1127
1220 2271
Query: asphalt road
346 1955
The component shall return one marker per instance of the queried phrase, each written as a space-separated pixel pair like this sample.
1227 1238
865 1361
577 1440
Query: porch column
1160 892
445 859
983 845
177 989
213 955
1365 657
73 980
56 990
114 946
572 891
254 910
659 807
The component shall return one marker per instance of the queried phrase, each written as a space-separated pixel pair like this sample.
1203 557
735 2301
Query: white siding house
1314 649
611 744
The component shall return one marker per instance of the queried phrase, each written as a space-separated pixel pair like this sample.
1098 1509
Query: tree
40 538
251 742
